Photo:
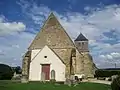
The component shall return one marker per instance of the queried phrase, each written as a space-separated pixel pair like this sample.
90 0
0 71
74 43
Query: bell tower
81 43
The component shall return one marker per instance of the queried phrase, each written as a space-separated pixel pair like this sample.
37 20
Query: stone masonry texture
55 37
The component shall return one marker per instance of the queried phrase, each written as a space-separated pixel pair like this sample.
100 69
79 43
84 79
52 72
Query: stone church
53 50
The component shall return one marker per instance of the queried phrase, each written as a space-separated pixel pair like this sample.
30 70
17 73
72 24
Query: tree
115 85
6 72
18 70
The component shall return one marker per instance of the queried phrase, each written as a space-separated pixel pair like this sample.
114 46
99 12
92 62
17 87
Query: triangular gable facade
51 59
53 35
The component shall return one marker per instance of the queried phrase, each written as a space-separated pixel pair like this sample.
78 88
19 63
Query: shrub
17 69
6 72
115 85
106 73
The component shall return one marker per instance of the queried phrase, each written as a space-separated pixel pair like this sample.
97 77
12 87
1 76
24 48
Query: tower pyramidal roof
81 37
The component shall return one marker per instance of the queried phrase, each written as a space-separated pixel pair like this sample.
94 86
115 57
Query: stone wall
82 46
53 35
65 56
25 64
79 63
88 65
84 64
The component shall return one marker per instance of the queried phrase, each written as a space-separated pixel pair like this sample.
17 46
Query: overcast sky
98 20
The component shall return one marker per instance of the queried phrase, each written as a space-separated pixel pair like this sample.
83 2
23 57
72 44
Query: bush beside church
6 72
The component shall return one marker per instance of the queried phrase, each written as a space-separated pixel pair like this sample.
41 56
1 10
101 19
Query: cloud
101 26
13 47
93 25
10 27
115 54
2 53
14 41
36 13
112 56
109 60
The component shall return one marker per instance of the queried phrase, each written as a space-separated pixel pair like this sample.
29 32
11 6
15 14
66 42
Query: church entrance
46 71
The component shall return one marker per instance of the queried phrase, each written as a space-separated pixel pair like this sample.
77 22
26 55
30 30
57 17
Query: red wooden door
46 70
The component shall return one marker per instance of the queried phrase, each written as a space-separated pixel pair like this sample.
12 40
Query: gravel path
98 81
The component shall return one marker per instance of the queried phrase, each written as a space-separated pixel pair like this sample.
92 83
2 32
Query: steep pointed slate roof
81 37
52 34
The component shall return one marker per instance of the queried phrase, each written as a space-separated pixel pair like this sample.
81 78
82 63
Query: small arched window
82 43
53 74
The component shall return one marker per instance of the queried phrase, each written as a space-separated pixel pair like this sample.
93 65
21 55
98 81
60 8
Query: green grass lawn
47 86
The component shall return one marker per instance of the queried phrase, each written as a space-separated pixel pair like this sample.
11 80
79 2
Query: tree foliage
115 85
106 73
17 69
6 72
